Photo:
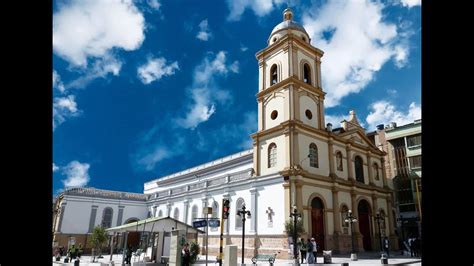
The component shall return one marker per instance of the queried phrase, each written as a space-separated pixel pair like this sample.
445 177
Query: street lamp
351 219
242 214
379 218
296 217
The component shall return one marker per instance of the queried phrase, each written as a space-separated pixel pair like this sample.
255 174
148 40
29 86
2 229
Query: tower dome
286 26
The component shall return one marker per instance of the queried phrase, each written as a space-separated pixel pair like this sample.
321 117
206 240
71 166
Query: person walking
303 246
411 244
314 249
79 251
186 255
309 256
386 245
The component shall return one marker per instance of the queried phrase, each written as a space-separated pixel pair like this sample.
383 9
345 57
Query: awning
155 224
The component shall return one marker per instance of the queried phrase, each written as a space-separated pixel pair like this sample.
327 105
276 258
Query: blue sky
146 88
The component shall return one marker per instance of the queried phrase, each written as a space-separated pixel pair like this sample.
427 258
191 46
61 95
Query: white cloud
90 28
259 7
55 168
154 4
204 33
63 108
411 3
384 112
154 69
77 174
152 151
243 48
101 68
204 91
57 83
149 160
361 43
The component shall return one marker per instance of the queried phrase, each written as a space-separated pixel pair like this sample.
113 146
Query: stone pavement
369 258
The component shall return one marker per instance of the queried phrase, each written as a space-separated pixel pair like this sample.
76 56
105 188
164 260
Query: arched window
194 213
345 225
238 220
359 169
313 155
107 217
160 213
215 213
272 155
306 74
176 213
376 171
339 161
274 74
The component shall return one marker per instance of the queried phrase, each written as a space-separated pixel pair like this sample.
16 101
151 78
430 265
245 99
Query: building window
274 74
414 141
107 217
160 213
306 74
313 155
238 220
274 114
272 155
176 213
339 161
415 162
359 169
345 225
376 171
194 213
308 114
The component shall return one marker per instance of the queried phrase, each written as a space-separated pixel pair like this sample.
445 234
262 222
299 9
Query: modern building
296 161
403 165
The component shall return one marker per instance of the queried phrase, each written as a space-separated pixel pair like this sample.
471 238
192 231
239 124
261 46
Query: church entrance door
364 224
317 222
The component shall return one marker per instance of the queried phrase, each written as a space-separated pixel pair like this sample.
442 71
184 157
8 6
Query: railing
105 193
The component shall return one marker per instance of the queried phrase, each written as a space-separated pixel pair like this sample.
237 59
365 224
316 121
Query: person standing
186 255
79 252
386 245
302 245
314 249
310 256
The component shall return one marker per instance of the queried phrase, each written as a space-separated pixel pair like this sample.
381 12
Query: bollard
345 264
384 259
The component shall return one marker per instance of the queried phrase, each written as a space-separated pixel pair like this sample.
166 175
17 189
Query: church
297 160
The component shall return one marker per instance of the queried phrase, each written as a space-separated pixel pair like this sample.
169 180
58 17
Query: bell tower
289 97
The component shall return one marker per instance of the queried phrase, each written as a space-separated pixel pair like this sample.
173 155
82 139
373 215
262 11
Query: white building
296 160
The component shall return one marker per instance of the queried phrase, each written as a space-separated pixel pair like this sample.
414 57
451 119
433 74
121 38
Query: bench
264 257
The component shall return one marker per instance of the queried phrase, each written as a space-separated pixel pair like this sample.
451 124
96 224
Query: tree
289 228
98 239
194 250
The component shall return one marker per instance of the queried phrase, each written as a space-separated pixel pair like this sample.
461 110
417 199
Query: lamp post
351 219
296 217
379 218
242 214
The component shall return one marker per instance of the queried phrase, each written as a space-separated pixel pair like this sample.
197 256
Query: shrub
194 250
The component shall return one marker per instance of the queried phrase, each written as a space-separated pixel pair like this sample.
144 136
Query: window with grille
359 169
194 213
313 155
176 214
272 155
107 217
307 74
414 141
415 162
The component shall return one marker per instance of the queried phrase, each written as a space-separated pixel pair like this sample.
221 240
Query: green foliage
98 237
289 228
194 250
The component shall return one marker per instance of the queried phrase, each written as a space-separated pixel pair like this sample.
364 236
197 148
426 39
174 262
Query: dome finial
287 14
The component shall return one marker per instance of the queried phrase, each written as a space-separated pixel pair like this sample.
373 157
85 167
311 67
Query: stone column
350 170
254 212
336 212
186 210
355 213
332 173
369 168
287 207
299 195
321 113
384 176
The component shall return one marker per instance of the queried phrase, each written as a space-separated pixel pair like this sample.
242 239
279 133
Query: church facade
296 161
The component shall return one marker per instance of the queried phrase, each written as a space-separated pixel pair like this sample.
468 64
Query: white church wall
271 196
281 155
344 173
307 103
323 161
277 104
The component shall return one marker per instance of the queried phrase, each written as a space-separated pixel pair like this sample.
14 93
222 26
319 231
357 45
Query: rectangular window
415 162
414 141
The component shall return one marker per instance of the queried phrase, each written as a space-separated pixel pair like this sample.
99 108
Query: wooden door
317 222
364 224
